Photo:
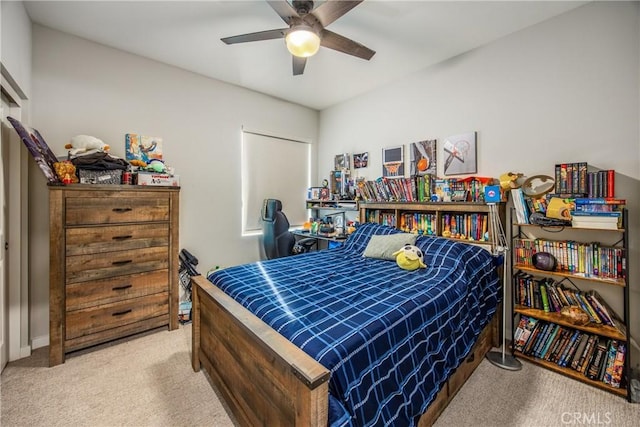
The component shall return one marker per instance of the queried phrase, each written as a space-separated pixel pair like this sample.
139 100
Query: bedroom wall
81 87
15 45
564 90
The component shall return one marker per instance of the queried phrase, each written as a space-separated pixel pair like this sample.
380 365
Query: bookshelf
594 259
465 221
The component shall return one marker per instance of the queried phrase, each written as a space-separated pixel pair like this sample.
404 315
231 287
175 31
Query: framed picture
460 154
314 193
142 147
325 193
360 160
38 149
423 158
342 162
393 162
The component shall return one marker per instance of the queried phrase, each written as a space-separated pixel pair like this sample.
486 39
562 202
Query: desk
329 240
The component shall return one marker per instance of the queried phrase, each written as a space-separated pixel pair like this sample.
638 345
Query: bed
336 338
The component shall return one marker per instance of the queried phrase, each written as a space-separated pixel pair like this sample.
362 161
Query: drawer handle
123 262
121 313
122 237
121 210
120 288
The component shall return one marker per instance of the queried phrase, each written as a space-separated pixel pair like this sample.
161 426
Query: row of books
423 188
470 226
419 223
380 217
549 296
598 358
571 178
599 220
601 213
601 183
467 226
581 259
520 205
575 179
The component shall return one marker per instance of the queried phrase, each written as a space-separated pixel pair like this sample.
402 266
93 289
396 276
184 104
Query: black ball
544 261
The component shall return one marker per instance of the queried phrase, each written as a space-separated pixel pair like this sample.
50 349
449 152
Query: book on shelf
597 215
584 338
618 366
607 220
599 201
598 358
610 360
523 331
522 209
569 351
585 357
608 315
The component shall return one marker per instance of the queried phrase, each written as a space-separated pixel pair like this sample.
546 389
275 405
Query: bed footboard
264 378
267 380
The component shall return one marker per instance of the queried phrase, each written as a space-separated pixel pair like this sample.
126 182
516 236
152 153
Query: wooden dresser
113 263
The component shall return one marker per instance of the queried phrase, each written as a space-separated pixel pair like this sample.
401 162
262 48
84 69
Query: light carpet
148 381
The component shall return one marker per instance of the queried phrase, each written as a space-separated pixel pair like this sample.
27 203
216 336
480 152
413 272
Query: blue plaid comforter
390 337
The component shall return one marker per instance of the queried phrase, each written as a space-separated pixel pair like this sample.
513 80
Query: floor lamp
500 247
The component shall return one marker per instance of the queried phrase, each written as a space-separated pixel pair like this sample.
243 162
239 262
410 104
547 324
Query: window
273 168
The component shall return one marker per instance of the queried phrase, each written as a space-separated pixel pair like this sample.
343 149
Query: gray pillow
383 246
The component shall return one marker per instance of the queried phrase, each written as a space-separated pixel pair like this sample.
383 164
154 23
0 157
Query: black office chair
277 239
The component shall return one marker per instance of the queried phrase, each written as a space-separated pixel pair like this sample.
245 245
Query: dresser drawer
82 268
103 317
88 294
115 210
94 240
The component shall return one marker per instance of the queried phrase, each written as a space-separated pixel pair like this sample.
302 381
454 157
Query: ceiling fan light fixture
302 41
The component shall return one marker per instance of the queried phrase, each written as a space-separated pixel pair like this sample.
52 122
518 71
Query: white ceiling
406 35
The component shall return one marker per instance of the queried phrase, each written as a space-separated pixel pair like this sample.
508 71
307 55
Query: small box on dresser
113 267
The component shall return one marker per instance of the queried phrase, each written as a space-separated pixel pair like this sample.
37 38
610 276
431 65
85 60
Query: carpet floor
148 381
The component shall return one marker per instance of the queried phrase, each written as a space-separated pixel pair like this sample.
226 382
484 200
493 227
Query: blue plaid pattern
390 337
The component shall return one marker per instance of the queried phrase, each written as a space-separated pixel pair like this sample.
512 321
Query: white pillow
382 246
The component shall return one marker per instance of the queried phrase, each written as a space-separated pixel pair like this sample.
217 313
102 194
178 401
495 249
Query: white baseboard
41 341
25 351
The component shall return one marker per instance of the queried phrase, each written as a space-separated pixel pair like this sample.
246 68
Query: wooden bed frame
267 380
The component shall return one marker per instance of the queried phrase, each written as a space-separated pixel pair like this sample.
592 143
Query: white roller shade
273 168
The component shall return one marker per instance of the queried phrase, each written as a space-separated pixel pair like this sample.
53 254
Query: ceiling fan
307 30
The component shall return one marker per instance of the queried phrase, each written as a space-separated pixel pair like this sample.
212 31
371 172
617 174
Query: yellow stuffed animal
410 258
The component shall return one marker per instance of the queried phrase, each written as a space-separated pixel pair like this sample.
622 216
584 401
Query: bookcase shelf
535 271
548 350
474 216
573 374
557 318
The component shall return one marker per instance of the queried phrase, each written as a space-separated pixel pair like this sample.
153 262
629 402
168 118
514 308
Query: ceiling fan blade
254 37
342 44
284 10
330 10
298 65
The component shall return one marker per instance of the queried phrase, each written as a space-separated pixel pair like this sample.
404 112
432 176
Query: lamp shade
302 41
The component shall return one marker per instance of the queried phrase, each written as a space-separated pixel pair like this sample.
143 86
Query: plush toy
82 143
138 163
409 257
156 165
66 171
